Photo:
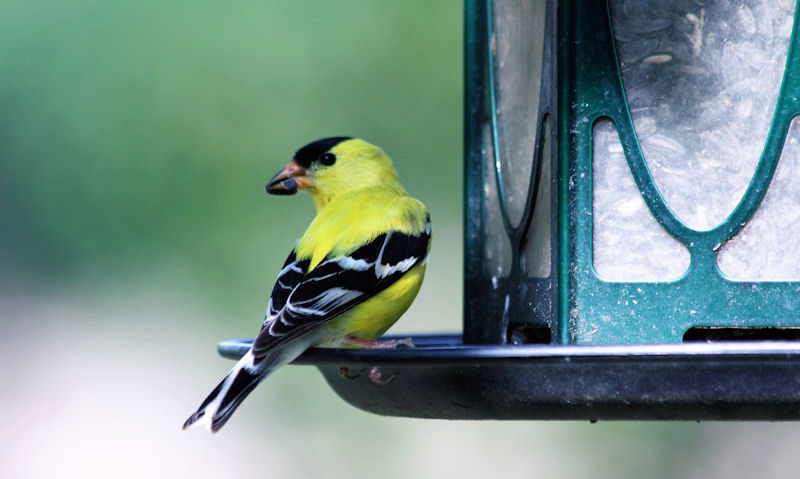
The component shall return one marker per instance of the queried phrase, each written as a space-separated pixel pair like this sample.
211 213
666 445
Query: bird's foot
385 344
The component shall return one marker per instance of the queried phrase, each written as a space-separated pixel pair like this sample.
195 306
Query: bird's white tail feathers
218 407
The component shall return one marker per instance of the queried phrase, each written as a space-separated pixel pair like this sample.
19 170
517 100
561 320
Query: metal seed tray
443 378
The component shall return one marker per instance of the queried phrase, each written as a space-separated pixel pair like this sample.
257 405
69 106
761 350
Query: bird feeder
632 218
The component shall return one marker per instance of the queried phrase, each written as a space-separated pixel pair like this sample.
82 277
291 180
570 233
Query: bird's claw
404 343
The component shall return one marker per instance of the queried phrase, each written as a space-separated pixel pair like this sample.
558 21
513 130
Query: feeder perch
631 221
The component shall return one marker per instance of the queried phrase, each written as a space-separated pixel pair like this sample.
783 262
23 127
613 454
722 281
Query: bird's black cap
314 150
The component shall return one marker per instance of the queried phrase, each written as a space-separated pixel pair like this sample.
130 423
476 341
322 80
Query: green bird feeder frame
630 217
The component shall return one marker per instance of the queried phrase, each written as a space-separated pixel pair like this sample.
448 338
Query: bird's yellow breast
347 223
370 319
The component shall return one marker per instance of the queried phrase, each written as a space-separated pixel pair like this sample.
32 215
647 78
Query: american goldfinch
354 272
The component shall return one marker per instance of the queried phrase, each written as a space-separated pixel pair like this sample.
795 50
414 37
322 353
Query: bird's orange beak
289 180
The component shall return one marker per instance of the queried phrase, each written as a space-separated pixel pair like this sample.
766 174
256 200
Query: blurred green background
135 141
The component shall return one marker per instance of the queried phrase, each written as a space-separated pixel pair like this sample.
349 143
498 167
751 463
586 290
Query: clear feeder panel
701 81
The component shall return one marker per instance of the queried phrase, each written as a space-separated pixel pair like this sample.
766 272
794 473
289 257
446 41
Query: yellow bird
355 271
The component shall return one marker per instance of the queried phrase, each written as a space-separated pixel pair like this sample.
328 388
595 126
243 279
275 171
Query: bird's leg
385 344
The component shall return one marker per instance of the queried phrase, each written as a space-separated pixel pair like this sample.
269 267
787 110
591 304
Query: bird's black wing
291 275
303 300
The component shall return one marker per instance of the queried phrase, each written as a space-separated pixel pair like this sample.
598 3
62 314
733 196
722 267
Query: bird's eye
328 159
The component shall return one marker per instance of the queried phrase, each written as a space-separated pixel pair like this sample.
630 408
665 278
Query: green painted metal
496 307
612 312
582 83
478 327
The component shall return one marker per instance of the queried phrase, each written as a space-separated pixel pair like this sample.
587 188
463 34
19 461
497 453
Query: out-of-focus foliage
136 134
